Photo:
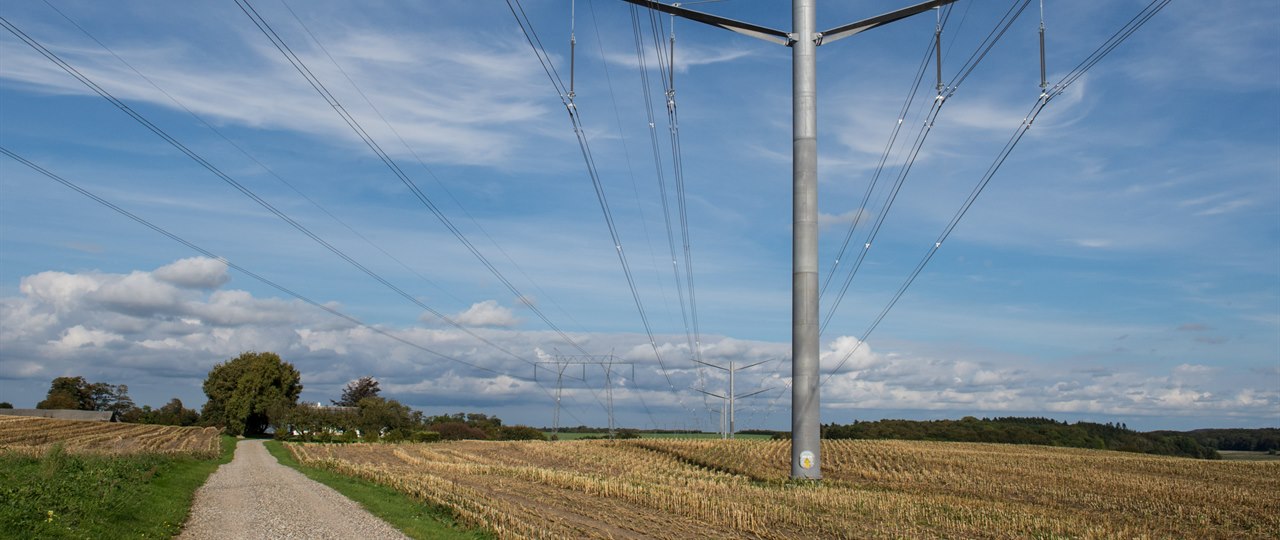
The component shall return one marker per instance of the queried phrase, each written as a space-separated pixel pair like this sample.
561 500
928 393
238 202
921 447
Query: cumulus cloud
487 313
143 330
194 273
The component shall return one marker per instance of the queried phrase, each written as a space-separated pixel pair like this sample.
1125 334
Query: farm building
64 414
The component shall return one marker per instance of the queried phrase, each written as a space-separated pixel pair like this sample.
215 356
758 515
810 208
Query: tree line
1249 440
77 393
257 392
1042 431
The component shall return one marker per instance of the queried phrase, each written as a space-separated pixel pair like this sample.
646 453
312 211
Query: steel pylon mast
806 451
727 428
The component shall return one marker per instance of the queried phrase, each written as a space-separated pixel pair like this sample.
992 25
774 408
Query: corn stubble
35 436
872 489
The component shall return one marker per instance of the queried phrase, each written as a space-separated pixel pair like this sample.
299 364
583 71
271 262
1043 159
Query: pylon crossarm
850 29
714 395
708 364
744 28
740 396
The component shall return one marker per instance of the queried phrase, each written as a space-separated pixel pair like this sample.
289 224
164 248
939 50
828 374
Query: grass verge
414 518
60 495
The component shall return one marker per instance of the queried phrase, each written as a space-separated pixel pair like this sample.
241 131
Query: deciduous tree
357 390
242 390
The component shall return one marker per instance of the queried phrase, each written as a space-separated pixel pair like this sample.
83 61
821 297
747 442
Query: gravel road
255 496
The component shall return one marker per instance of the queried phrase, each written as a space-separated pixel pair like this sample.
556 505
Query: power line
424 165
642 63
248 155
235 266
1041 102
164 135
531 36
71 70
252 274
884 155
677 165
626 152
1001 28
422 197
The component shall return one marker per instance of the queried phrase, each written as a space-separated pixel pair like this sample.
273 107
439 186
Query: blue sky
1122 265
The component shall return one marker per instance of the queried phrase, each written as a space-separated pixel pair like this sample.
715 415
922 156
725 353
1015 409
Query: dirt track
255 497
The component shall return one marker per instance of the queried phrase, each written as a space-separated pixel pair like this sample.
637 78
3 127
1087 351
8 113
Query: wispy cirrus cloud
449 107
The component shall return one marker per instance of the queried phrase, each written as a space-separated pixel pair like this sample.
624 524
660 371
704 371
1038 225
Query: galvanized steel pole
806 452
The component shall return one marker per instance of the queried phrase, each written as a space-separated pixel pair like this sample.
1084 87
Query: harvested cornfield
872 489
32 436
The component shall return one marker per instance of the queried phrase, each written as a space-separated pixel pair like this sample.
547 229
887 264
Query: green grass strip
60 495
416 519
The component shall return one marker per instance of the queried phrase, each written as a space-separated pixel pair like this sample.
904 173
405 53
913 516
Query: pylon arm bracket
740 396
744 28
867 24
708 364
711 394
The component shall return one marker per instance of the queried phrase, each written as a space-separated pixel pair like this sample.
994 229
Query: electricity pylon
726 432
806 451
606 363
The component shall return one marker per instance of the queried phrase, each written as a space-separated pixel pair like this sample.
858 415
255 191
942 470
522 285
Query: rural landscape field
34 436
872 489
101 480
406 269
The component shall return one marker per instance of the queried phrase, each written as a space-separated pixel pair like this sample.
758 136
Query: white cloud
687 56
1091 242
827 221
138 292
194 273
66 324
58 289
487 313
79 336
450 107
1226 207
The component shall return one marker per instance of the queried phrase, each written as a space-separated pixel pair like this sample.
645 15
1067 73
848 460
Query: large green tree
245 391
68 393
364 387
78 393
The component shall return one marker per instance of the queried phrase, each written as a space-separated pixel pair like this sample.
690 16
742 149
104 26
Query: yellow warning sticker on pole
806 460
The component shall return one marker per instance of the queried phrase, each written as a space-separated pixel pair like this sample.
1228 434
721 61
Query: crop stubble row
34 436
737 489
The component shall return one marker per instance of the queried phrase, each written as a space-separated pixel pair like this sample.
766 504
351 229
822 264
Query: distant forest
1202 443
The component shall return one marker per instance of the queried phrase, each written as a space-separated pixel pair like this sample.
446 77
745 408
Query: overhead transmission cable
884 155
421 162
944 93
659 171
71 70
1042 101
626 153
531 36
241 269
332 100
668 61
248 155
373 145
246 271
